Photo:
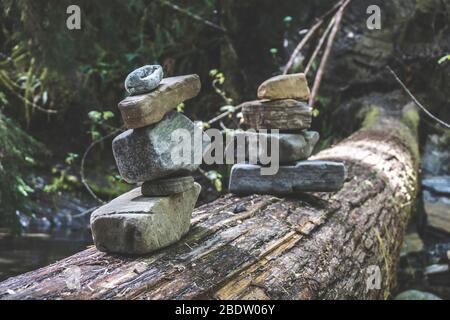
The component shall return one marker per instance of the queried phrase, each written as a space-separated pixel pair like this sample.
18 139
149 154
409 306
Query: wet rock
135 224
438 274
239 208
292 146
147 153
439 184
166 187
416 295
146 109
440 253
304 176
412 243
437 209
436 156
276 117
436 268
291 86
144 79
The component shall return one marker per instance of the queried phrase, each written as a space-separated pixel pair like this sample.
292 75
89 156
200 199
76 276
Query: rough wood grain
317 246
278 117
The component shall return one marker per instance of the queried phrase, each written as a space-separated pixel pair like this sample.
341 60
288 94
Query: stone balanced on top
158 213
281 106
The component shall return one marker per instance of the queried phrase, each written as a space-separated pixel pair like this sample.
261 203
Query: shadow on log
316 246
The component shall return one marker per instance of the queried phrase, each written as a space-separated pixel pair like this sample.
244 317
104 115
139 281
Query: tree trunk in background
316 246
229 60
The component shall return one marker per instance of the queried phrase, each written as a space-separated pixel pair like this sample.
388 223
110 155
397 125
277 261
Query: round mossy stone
166 187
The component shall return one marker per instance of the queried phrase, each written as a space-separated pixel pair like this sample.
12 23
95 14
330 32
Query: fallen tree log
316 246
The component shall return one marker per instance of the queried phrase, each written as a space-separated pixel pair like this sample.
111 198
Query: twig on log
83 159
421 106
326 54
193 15
308 35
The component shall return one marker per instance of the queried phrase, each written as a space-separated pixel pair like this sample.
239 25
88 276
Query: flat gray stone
144 79
298 117
145 109
166 187
304 176
134 224
146 153
292 146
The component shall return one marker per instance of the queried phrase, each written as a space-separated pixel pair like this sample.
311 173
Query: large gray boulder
304 176
148 153
134 224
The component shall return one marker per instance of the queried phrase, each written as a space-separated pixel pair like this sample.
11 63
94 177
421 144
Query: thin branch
83 160
85 212
326 54
320 45
9 85
193 15
428 113
223 115
308 35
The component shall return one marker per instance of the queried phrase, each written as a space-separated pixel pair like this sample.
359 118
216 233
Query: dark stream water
33 250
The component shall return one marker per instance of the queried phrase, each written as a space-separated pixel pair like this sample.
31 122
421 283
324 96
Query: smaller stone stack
158 213
282 106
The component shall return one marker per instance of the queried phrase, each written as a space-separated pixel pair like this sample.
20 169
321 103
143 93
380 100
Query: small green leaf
180 107
218 185
30 160
108 115
287 19
95 115
444 58
213 72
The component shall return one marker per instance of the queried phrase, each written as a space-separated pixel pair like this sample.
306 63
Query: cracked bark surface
315 246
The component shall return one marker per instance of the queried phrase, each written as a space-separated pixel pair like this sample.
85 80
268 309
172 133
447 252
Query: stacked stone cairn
281 106
158 212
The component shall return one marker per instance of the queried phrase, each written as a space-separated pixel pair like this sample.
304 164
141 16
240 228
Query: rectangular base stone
134 224
304 176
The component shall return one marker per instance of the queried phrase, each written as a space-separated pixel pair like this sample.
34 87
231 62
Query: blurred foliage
79 73
17 152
